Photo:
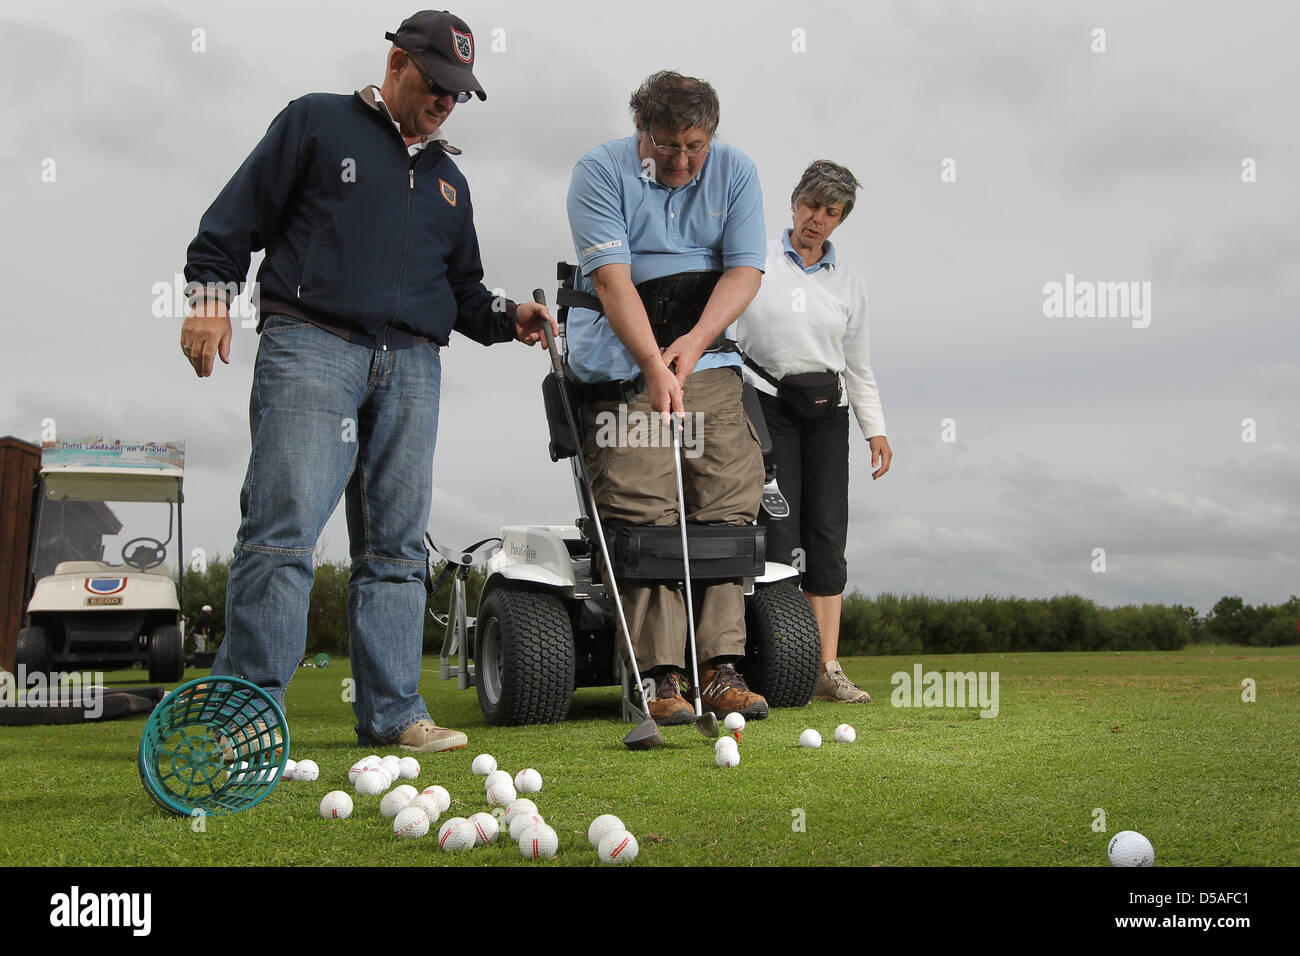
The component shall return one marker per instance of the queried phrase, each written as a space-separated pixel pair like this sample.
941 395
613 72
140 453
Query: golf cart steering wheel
144 557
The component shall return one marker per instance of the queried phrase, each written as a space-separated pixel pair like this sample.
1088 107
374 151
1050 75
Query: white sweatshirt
812 323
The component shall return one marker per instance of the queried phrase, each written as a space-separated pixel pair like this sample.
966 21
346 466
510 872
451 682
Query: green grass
1161 741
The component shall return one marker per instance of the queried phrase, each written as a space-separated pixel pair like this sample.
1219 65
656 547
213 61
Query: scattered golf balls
486 828
408 768
618 846
336 805
538 842
501 793
456 834
845 734
602 825
522 822
394 802
307 771
429 805
528 780
1130 848
371 783
521 805
484 764
727 757
440 794
411 823
810 738
734 723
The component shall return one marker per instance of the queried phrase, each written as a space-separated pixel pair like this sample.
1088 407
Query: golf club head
644 736
707 724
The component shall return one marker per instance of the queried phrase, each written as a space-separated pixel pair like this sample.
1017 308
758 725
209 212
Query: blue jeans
331 419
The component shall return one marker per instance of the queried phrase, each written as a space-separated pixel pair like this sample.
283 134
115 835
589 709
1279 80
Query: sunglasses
434 88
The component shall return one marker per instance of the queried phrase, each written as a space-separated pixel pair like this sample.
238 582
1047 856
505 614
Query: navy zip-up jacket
360 237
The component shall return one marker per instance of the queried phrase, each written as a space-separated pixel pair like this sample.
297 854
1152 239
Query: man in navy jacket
371 261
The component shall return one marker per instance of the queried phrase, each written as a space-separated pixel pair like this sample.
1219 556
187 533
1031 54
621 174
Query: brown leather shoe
723 691
427 737
667 705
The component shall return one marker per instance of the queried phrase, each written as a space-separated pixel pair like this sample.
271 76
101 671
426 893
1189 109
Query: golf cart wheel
524 658
34 652
166 654
783 650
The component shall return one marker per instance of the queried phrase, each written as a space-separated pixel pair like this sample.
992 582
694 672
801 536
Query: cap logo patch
463 44
448 191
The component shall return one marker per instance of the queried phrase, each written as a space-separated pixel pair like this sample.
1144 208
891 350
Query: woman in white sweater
805 342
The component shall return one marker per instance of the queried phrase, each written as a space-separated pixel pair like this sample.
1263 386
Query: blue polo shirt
827 261
618 215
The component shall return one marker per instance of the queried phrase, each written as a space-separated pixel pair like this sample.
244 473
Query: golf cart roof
103 483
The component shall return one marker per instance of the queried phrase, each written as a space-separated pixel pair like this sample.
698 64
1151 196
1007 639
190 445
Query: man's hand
880 454
205 335
665 392
529 323
685 352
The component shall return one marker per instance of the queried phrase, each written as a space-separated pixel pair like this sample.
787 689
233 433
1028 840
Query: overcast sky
1071 433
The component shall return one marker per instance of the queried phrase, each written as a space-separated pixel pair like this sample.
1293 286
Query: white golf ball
501 793
495 775
373 758
406 788
486 828
429 805
484 764
602 825
290 770
360 767
307 771
522 822
810 738
618 846
411 823
521 805
456 834
528 780
845 734
727 757
336 805
371 783
392 766
538 842
440 794
1130 848
734 723
725 743
408 768
394 802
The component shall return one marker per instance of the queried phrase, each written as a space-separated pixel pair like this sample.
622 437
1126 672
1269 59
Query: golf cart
101 595
546 623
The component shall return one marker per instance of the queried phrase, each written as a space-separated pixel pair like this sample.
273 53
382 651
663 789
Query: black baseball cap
443 44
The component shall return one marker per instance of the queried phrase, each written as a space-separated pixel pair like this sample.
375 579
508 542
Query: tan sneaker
723 691
667 705
427 737
832 684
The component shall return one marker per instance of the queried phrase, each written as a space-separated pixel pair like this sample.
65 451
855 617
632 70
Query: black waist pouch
810 395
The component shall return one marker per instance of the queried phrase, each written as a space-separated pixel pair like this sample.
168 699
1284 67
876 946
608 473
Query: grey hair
674 102
829 182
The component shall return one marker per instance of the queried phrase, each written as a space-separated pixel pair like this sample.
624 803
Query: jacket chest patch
448 191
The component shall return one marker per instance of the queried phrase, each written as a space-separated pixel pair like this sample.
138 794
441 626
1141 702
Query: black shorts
812 469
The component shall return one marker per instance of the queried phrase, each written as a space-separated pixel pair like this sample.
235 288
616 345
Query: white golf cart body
91 610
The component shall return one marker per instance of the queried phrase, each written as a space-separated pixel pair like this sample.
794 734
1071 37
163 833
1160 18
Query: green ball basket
216 744
322 660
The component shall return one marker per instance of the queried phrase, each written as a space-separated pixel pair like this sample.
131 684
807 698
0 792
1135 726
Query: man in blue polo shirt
668 227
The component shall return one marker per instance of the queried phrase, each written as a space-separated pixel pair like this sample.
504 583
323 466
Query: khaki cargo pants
630 463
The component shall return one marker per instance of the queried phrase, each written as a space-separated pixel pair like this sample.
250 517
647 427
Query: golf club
706 724
645 734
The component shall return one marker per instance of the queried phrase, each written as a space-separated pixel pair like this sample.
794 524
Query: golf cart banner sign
111 452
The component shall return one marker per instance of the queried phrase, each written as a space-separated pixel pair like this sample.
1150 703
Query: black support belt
673 304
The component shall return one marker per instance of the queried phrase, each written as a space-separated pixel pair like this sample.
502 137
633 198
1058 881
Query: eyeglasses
691 151
434 88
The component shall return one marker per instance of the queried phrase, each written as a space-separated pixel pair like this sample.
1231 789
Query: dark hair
829 182
674 102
